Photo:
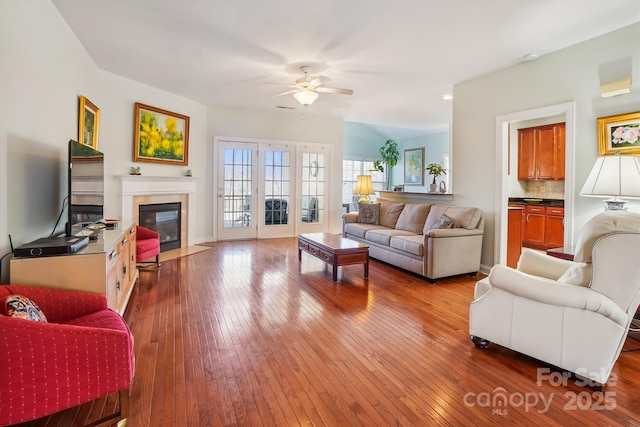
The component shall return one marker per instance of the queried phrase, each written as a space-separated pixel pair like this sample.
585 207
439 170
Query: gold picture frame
160 136
88 123
620 133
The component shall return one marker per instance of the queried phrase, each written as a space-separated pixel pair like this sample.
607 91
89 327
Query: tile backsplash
545 189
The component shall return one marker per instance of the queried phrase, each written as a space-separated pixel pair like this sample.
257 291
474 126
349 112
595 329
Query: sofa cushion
21 307
412 217
462 217
360 230
368 213
383 236
389 212
413 244
442 223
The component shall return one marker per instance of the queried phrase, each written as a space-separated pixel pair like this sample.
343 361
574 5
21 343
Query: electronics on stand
51 246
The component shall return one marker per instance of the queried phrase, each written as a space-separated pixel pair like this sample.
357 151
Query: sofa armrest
349 217
48 367
548 291
61 305
453 232
543 265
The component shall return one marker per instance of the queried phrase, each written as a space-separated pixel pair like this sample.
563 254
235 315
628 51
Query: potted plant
435 169
390 154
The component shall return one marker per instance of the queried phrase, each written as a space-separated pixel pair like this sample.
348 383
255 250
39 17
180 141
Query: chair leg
119 417
158 260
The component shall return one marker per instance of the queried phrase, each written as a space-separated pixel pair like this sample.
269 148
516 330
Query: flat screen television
85 187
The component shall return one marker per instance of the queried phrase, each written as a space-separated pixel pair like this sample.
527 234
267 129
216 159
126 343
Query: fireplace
139 190
165 219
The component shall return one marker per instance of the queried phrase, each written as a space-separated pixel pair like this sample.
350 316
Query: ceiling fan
306 89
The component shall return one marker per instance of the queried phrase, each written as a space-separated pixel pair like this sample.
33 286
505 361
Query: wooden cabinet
554 236
106 266
515 228
543 227
534 230
541 152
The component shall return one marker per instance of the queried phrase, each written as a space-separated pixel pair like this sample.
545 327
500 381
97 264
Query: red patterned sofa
83 351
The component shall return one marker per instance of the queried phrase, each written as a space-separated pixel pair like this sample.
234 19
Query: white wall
571 74
43 70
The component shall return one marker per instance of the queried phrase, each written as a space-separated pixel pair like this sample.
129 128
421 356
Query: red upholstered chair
147 245
82 352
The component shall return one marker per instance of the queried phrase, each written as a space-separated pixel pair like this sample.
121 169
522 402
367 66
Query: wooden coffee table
335 250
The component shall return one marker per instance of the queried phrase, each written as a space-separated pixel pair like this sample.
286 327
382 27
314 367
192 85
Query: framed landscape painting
88 122
619 133
414 166
160 136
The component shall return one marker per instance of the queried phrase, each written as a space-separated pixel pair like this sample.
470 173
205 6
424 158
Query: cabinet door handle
113 254
527 217
118 284
124 268
124 241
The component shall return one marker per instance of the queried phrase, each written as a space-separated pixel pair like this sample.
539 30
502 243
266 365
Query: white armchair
574 315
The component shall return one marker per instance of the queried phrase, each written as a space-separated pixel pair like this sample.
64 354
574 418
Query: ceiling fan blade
334 90
285 93
317 81
281 84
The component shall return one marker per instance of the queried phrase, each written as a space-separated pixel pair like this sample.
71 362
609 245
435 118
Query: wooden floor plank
245 335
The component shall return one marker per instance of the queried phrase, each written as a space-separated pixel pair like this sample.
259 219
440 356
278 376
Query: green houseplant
435 169
390 154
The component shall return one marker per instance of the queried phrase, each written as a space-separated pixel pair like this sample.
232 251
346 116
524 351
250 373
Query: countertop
542 202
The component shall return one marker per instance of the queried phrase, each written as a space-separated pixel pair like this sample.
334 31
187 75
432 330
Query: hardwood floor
243 334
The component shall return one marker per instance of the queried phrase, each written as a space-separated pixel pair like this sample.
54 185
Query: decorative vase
433 188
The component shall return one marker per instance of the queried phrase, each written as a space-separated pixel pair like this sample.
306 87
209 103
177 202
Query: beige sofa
406 235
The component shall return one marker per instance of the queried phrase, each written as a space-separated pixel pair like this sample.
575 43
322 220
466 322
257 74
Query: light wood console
105 266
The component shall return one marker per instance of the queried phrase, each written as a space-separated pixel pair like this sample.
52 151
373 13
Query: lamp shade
614 176
364 187
306 96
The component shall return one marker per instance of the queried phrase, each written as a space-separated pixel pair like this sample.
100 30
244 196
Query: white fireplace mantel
142 185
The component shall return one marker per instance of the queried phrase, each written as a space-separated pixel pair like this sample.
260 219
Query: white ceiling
398 56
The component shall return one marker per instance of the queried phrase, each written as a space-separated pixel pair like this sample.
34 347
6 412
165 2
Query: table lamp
364 187
614 176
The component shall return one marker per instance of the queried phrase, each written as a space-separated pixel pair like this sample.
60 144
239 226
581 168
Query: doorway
502 161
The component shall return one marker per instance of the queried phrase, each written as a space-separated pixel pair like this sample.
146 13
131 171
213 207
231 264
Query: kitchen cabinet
515 227
534 230
554 235
542 227
541 152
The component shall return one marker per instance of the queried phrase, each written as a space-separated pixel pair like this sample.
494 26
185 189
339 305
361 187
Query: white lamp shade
306 96
364 186
617 176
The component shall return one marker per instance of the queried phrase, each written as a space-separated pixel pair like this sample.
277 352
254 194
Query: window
350 171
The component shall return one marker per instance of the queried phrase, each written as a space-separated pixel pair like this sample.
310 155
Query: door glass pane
277 187
237 187
312 191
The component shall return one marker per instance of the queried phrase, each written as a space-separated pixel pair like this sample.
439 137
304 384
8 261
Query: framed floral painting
160 136
619 133
88 123
414 166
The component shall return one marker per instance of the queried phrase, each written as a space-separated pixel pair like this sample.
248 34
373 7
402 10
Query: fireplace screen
163 218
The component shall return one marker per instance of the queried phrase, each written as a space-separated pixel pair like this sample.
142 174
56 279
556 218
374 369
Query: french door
254 190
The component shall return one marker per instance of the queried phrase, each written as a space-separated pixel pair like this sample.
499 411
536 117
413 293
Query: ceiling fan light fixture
305 96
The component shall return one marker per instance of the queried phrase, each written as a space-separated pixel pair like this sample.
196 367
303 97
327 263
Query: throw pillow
443 222
368 213
578 274
21 307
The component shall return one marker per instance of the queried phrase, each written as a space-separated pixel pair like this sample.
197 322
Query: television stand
105 266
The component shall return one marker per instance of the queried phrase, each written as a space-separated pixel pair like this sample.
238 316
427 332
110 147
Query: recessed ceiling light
447 96
530 57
